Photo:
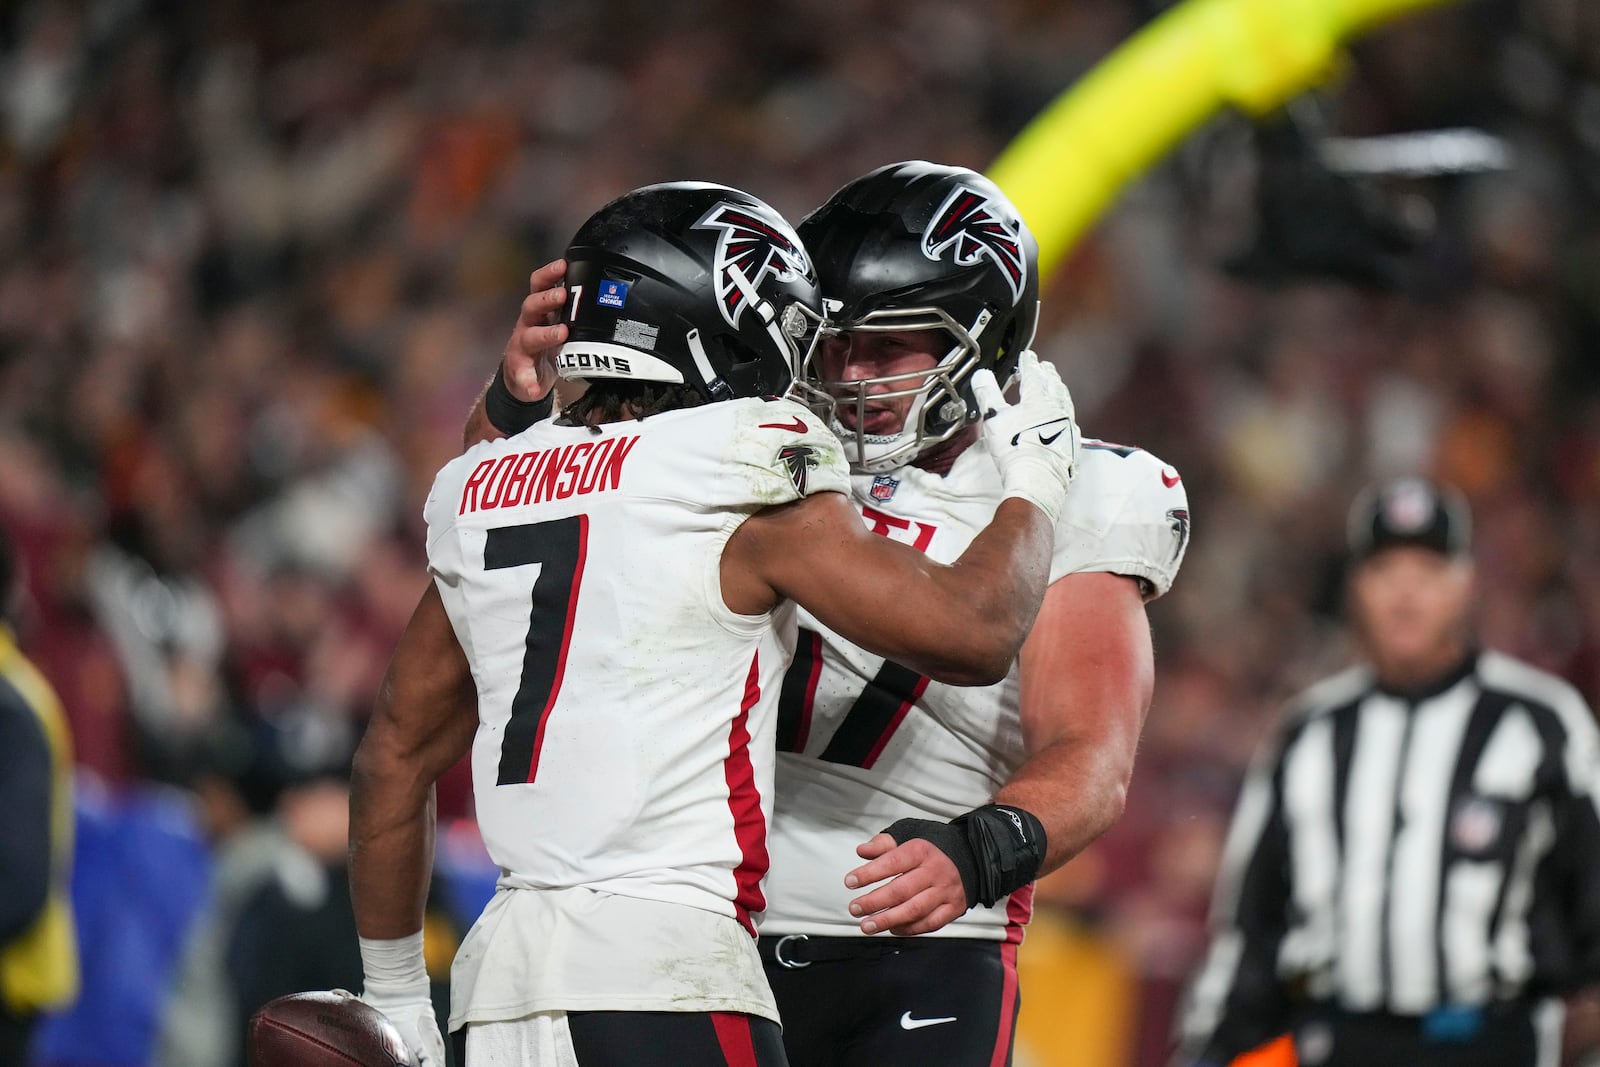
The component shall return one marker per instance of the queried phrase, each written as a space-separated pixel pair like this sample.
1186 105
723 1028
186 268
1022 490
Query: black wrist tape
997 849
508 414
1009 845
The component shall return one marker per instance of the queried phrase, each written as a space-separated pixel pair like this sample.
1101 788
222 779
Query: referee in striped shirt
1412 876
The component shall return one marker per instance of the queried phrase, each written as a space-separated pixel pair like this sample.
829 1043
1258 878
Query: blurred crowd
256 259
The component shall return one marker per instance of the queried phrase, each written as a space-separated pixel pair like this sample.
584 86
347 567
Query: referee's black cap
1410 511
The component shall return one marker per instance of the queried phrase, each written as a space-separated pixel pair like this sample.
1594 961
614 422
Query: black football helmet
920 246
693 283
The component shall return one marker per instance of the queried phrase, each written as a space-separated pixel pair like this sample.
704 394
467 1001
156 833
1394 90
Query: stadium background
257 258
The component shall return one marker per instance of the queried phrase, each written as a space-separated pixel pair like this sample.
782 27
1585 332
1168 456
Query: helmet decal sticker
756 247
972 228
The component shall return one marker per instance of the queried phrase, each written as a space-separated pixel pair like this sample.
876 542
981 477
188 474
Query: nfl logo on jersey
883 487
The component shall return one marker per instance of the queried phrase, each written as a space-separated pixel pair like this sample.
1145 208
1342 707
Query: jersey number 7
560 545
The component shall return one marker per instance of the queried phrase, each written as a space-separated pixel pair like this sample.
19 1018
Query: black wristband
997 849
1009 845
508 414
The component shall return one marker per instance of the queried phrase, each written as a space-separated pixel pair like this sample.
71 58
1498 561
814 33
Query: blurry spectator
236 786
292 927
138 881
38 951
297 931
163 621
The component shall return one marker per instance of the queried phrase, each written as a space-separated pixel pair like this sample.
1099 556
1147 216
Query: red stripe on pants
1008 1006
733 1035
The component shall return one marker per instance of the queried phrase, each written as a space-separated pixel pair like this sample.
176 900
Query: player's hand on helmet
1034 441
528 363
409 1006
924 890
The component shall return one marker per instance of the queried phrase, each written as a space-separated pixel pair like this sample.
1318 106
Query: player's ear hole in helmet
921 246
686 293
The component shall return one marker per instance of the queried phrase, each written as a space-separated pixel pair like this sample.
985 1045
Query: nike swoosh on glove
410 1008
1034 441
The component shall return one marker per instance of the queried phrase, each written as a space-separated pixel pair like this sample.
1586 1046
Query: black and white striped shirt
1402 852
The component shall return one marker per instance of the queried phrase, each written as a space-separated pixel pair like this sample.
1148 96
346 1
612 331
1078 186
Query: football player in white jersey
611 615
930 276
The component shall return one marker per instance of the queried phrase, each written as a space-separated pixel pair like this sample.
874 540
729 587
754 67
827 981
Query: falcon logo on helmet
970 224
749 248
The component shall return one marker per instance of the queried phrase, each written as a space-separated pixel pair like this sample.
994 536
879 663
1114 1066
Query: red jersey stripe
1019 909
1008 1006
744 801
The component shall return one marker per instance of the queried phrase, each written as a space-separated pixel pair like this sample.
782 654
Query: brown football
323 1029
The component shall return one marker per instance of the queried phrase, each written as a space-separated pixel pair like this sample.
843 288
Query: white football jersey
626 715
864 742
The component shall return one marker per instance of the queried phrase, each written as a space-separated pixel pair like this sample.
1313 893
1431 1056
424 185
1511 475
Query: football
329 1028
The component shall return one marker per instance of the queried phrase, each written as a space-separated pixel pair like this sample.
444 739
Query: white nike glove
1034 441
396 984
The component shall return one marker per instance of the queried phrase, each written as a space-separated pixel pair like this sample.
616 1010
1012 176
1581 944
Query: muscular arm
423 722
961 623
1087 674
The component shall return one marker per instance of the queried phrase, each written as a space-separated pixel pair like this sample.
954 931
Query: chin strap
716 388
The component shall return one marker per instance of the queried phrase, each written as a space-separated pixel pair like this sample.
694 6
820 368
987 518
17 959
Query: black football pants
894 1002
666 1039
